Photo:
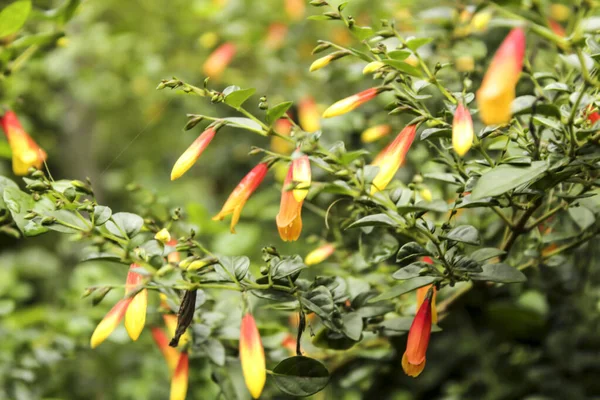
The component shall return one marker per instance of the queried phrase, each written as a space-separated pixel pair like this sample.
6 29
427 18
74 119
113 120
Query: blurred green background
91 102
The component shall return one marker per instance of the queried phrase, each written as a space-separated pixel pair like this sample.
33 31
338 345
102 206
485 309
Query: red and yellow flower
462 130
319 254
218 60
350 103
375 133
240 195
276 35
308 115
392 157
497 90
413 360
179 381
252 356
25 151
289 218
301 176
193 153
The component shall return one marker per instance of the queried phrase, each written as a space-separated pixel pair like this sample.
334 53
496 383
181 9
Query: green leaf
237 98
410 250
215 351
504 177
76 225
435 206
101 215
235 266
18 203
319 301
502 273
486 253
5 183
404 287
399 55
276 112
403 67
415 43
443 177
353 326
300 376
465 234
557 87
550 123
408 272
244 123
13 17
582 216
361 32
432 133
288 266
125 225
373 220
525 105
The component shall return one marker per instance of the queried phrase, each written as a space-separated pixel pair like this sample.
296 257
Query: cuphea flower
191 155
390 158
350 103
179 381
301 176
218 60
110 321
462 130
252 356
319 254
308 115
375 133
241 194
289 218
497 90
25 151
413 360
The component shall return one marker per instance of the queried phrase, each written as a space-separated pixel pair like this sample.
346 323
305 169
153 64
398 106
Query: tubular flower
462 130
422 294
301 176
135 317
109 323
372 67
413 360
218 60
289 218
375 133
497 90
179 381
390 158
308 115
321 62
252 356
236 200
284 127
350 103
319 254
295 9
191 155
276 35
170 354
25 151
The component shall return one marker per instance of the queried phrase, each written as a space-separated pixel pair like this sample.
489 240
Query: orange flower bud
276 35
135 317
301 176
241 194
462 130
25 151
170 354
390 158
191 155
179 382
308 115
375 133
289 218
284 127
252 356
413 360
557 28
218 60
109 323
497 90
350 103
319 254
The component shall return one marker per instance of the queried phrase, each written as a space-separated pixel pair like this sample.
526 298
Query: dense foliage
383 169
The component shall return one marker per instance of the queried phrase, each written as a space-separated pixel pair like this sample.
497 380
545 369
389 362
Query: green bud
318 3
37 174
264 270
193 121
263 105
164 270
30 215
100 294
48 220
423 271
38 186
87 292
82 187
321 47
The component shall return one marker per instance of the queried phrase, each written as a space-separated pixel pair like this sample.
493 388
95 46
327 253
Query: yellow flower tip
372 67
301 176
108 324
319 254
391 158
252 356
350 103
25 151
320 63
192 153
375 133
163 236
462 130
412 370
308 115
135 317
480 21
560 12
171 324
179 382
289 218
426 194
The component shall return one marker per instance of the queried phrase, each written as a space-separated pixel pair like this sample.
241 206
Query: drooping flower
170 354
179 381
135 317
497 90
218 60
413 360
110 321
462 130
350 103
289 218
191 155
319 254
252 356
372 67
308 115
240 195
301 176
25 151
390 158
422 294
375 133
321 62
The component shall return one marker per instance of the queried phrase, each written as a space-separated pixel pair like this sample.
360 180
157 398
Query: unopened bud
264 270
30 215
37 174
100 294
82 187
321 47
48 220
193 121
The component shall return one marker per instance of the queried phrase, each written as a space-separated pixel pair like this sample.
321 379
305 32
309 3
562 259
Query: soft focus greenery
83 79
